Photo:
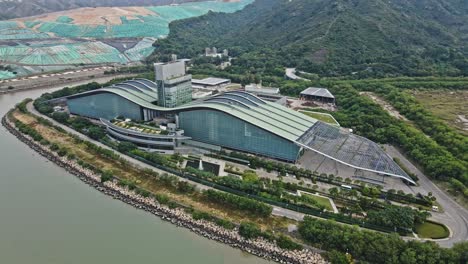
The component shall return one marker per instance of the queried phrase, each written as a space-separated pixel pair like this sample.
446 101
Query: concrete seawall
179 217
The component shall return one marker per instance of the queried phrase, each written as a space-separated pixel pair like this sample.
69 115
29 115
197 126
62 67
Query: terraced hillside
119 22
95 35
19 8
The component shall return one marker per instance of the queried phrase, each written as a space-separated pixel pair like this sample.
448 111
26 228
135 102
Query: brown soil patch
94 16
448 105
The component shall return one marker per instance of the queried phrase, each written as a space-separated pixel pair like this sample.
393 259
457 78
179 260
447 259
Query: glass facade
222 129
173 95
104 105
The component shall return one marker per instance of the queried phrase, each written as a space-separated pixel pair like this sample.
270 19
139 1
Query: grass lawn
321 200
447 105
327 118
432 230
142 179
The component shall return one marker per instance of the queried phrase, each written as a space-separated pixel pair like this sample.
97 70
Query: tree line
370 120
238 202
374 247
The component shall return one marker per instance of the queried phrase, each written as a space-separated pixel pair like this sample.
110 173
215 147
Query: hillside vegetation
332 38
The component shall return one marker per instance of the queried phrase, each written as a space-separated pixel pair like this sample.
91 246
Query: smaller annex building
210 83
318 94
259 89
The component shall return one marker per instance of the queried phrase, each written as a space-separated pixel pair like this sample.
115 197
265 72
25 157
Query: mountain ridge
332 38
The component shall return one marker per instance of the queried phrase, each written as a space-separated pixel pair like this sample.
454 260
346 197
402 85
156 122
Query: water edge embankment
258 247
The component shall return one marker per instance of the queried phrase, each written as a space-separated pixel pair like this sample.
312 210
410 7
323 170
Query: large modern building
239 121
174 86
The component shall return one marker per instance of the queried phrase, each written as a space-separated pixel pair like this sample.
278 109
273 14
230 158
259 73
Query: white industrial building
210 83
259 89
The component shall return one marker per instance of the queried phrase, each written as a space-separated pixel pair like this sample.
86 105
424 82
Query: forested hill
22 8
372 38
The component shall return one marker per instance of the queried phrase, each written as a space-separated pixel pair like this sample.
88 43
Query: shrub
62 152
172 205
198 215
61 117
285 242
239 202
106 176
44 142
54 147
249 230
96 132
145 193
162 198
225 223
185 187
125 147
22 106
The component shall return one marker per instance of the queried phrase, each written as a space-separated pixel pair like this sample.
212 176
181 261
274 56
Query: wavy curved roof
307 132
274 118
144 84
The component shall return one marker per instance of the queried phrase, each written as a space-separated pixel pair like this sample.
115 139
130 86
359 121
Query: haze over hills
375 38
22 8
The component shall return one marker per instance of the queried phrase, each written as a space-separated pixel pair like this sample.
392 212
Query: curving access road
454 215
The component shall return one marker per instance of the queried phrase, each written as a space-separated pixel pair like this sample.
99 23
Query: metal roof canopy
210 81
350 149
320 92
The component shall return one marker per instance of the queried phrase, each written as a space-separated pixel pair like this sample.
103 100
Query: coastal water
48 216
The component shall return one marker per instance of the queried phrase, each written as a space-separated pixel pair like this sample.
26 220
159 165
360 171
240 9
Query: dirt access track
385 105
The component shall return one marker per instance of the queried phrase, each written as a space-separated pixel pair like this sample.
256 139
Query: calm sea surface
48 216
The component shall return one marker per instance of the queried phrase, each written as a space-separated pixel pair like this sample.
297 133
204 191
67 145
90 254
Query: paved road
454 216
278 211
291 74
72 77
138 163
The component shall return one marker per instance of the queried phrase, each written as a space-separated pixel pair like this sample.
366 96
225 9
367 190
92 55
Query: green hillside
332 38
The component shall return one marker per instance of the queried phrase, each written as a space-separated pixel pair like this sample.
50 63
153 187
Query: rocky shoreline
259 247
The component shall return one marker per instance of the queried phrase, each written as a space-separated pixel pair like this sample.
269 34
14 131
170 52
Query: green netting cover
64 19
140 51
31 24
147 27
6 75
8 25
144 26
21 33
74 53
